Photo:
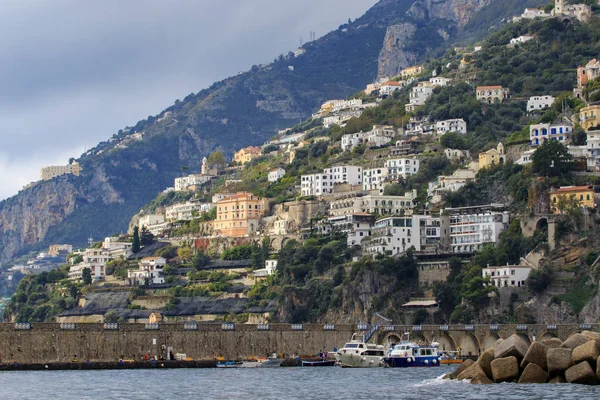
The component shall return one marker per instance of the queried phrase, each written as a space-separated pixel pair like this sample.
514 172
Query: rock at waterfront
560 378
552 343
485 362
558 360
481 379
575 340
466 364
581 373
505 369
533 373
536 355
474 373
598 369
591 335
589 352
514 346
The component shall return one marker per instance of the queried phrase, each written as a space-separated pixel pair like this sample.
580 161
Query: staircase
372 332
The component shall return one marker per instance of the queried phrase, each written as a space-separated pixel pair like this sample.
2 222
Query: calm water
279 383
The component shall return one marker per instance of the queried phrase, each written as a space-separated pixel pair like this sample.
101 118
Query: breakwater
42 343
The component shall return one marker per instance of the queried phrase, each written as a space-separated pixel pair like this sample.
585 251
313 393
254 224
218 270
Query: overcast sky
74 72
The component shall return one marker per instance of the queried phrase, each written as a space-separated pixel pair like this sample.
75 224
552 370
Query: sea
270 383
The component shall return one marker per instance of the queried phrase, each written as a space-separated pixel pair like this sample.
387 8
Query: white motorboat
270 362
358 354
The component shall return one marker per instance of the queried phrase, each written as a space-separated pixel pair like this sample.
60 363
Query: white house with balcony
539 133
401 168
440 81
269 269
419 95
186 211
93 259
150 271
375 204
537 103
457 125
185 182
449 183
507 276
470 228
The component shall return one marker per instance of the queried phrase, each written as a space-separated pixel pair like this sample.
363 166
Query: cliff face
428 24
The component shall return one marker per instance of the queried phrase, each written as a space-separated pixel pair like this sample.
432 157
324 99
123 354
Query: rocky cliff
122 174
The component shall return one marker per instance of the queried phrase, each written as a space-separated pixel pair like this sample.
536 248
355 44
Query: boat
450 357
358 354
229 364
409 354
318 363
270 362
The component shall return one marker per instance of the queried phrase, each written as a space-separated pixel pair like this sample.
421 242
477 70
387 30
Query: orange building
239 215
247 154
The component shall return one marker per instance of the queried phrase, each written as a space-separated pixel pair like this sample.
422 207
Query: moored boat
358 354
409 354
318 363
450 357
273 361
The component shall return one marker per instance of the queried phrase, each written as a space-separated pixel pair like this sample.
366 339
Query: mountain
122 174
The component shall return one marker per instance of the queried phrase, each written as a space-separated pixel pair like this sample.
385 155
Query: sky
72 72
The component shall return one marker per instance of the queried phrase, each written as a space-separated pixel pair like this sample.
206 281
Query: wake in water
437 381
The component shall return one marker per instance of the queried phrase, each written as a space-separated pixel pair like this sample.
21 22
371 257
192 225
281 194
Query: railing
374 329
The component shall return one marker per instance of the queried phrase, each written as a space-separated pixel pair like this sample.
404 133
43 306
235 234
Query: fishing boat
273 361
229 364
358 354
318 363
409 354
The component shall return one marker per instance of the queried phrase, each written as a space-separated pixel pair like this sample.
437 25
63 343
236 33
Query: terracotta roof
488 87
570 189
391 83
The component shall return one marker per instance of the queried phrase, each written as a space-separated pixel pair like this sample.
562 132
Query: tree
453 140
135 246
200 259
86 275
552 159
579 136
146 237
184 253
216 158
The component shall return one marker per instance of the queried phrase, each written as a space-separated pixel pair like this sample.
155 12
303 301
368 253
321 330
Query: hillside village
412 189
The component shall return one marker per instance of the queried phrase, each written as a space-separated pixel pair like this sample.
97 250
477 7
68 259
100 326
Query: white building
150 272
456 154
419 126
526 157
532 13
507 276
315 184
401 168
323 183
186 211
470 228
374 178
536 103
344 174
276 174
269 269
440 81
93 259
521 39
395 235
419 95
220 196
378 136
593 147
356 226
151 219
449 183
390 87
373 204
183 183
539 133
117 248
457 125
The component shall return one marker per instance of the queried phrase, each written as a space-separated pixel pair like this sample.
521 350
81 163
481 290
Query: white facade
315 184
440 81
95 260
526 157
373 204
539 133
394 235
183 183
186 211
419 95
356 226
593 147
116 248
457 125
389 87
456 154
150 272
374 178
350 174
401 168
419 126
276 174
521 39
151 219
449 183
539 102
378 136
507 276
269 269
470 228
351 140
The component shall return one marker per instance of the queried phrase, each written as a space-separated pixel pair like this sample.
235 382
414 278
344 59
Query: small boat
270 362
358 354
409 354
229 364
450 357
323 362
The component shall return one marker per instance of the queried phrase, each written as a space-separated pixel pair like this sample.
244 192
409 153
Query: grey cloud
74 72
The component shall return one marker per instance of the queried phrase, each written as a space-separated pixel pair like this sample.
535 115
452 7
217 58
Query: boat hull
326 363
358 361
410 362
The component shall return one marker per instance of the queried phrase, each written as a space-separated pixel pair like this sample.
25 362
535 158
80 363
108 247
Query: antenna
301 43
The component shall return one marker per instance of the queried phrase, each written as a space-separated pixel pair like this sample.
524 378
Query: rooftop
571 189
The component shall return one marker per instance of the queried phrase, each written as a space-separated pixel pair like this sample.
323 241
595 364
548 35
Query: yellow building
54 171
247 154
239 215
583 195
492 157
589 117
412 71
